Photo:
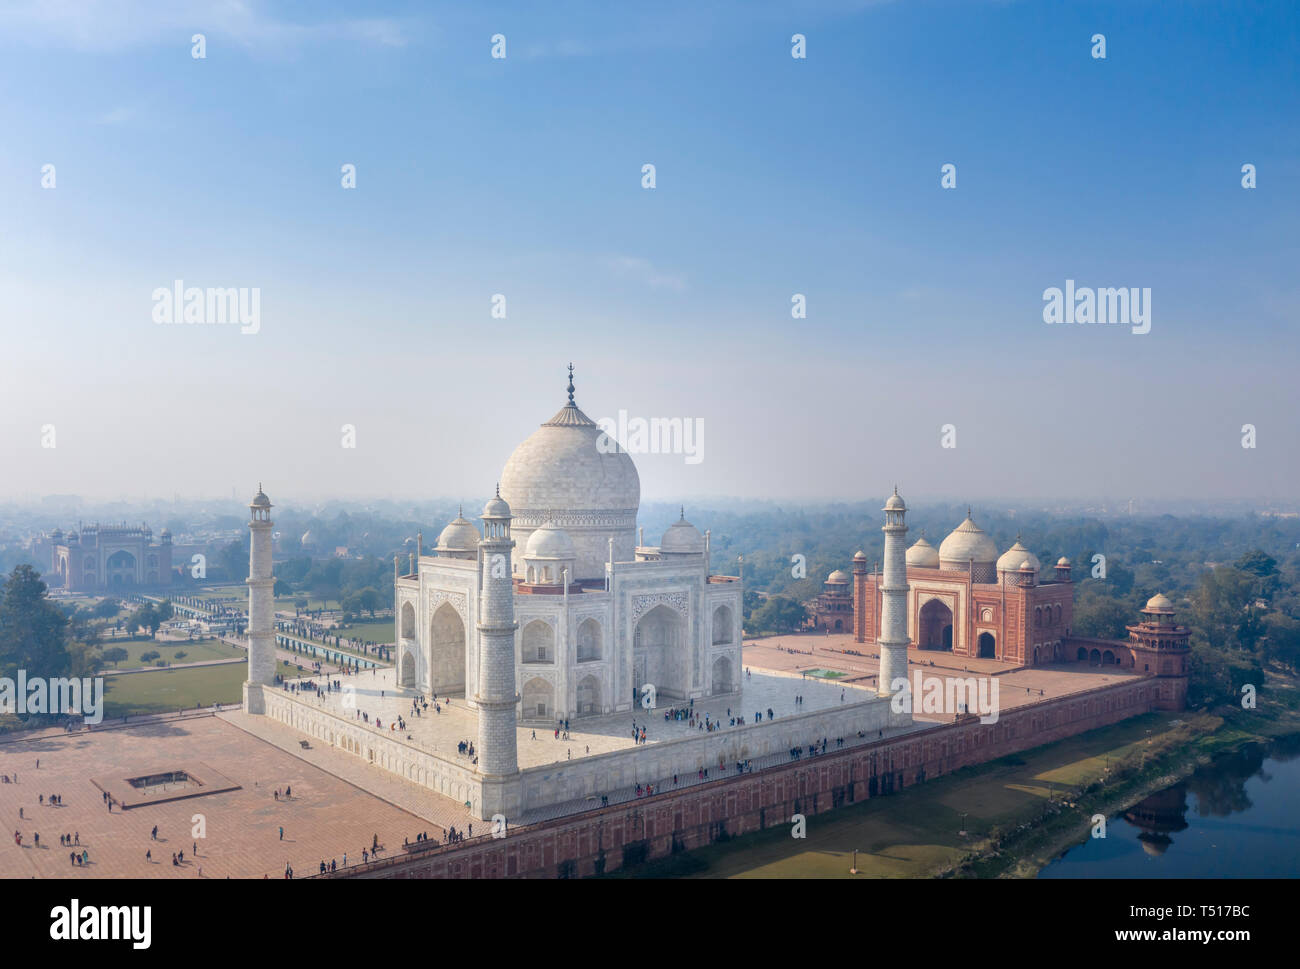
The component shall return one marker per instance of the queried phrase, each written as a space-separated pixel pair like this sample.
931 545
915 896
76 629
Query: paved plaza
340 802
797 654
440 733
326 816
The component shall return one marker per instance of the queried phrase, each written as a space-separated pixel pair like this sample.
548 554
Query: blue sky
775 176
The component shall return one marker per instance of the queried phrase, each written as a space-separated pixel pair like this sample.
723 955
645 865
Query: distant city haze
775 176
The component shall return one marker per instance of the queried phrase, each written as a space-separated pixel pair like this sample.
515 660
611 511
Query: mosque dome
460 535
859 556
838 577
967 542
1016 557
1062 563
307 539
550 541
895 503
923 555
682 538
570 473
260 500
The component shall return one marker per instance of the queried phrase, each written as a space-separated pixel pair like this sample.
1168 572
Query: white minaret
261 605
893 593
497 700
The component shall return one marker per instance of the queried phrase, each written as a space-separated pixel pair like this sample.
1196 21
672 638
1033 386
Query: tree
150 656
370 599
115 655
107 608
1101 618
779 614
33 632
1282 640
1224 610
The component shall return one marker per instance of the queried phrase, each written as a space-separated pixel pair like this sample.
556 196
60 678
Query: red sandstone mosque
966 599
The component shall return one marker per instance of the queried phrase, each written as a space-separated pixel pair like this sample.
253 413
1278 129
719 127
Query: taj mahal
555 614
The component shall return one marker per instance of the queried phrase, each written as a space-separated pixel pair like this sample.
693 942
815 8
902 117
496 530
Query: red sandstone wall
653 828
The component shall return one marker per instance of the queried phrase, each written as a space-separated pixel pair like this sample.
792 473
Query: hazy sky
775 176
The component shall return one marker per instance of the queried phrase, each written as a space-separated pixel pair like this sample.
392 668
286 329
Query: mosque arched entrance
659 652
446 651
408 621
935 626
987 646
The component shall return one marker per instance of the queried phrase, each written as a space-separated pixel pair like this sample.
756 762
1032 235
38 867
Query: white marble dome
460 535
966 543
682 538
570 473
923 555
549 541
1016 557
838 577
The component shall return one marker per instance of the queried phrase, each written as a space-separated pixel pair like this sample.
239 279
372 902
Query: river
1236 817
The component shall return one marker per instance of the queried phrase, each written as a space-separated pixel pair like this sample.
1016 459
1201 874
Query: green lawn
374 630
198 651
914 833
166 691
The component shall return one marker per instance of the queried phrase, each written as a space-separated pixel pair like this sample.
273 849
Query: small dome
1028 566
166 535
895 503
1015 558
838 577
1062 563
307 538
496 508
923 555
967 542
56 534
1159 603
860 556
549 541
260 500
460 535
682 538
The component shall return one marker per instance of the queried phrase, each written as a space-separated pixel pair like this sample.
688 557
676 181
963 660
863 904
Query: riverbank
1006 817
1023 853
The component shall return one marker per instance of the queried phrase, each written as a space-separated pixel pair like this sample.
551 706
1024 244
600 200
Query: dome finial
683 518
571 404
498 489
460 512
968 514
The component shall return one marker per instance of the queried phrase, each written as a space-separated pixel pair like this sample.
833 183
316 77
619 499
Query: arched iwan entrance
722 681
987 646
446 651
660 652
588 697
407 673
935 624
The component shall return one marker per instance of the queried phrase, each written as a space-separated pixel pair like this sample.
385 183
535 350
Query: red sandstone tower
1160 647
